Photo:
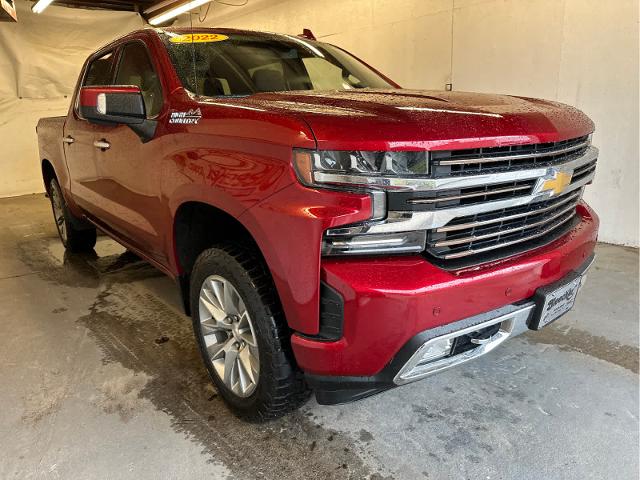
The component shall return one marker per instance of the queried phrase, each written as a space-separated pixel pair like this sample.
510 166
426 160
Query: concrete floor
101 379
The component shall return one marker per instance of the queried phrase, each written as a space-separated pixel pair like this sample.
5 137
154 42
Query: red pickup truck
328 230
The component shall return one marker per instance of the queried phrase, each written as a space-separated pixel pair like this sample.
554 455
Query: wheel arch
48 173
199 225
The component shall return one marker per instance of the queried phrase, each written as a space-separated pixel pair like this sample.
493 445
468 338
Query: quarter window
99 71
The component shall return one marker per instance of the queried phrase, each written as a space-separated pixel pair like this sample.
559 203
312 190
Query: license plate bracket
554 300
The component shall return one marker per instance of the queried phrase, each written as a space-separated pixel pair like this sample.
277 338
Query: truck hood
392 119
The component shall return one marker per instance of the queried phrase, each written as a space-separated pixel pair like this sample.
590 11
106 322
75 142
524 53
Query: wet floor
101 378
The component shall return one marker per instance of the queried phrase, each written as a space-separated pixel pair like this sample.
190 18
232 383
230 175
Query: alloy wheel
58 212
229 336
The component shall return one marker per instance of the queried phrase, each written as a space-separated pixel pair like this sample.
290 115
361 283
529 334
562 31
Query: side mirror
112 105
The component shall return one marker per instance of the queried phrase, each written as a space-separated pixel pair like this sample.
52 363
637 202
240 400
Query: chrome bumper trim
513 320
511 324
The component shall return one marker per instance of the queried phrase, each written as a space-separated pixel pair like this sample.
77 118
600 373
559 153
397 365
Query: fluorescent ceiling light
40 6
174 12
158 6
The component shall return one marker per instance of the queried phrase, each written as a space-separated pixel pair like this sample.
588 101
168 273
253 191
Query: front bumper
393 305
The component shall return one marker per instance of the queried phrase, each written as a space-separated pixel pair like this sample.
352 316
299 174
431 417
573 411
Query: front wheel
73 237
242 334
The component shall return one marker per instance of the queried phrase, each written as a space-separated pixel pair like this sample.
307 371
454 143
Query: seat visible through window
135 68
99 72
269 80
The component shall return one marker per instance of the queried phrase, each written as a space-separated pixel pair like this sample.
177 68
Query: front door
128 168
79 137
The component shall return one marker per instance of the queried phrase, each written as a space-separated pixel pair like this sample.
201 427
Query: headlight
374 172
376 169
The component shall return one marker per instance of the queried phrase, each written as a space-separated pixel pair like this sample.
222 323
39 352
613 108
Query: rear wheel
75 236
242 334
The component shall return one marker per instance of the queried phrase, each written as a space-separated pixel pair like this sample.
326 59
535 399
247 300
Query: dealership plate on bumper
555 300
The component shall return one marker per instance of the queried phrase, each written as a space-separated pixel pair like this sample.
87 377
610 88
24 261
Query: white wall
583 52
408 39
40 58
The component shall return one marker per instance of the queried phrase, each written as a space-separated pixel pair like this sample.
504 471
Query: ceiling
121 5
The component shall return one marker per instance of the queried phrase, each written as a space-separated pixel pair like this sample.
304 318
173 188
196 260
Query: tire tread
289 390
78 239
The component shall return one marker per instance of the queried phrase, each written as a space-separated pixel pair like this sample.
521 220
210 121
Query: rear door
79 136
129 169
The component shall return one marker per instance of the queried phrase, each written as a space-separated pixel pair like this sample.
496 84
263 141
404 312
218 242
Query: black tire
280 387
75 234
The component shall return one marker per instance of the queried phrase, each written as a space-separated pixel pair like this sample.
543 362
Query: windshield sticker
190 117
198 38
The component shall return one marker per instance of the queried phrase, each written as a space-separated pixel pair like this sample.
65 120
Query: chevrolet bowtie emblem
555 182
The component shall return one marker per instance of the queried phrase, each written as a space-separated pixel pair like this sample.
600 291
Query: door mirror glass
117 105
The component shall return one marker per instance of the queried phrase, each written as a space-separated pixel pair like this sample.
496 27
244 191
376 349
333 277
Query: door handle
68 140
102 145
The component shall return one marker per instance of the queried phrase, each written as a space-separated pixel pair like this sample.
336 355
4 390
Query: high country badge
190 117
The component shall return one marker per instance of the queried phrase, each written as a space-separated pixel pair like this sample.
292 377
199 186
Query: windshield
214 64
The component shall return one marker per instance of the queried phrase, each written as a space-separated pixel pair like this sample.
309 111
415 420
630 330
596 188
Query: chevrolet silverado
328 230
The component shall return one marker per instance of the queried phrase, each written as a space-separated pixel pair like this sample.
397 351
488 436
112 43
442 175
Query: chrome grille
481 233
465 196
513 157
583 171
472 219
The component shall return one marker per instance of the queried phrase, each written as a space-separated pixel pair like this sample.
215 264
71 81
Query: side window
99 71
135 68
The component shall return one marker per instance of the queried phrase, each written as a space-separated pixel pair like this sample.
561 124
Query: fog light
435 350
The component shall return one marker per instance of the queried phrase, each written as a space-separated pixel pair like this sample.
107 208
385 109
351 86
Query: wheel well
48 173
198 226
